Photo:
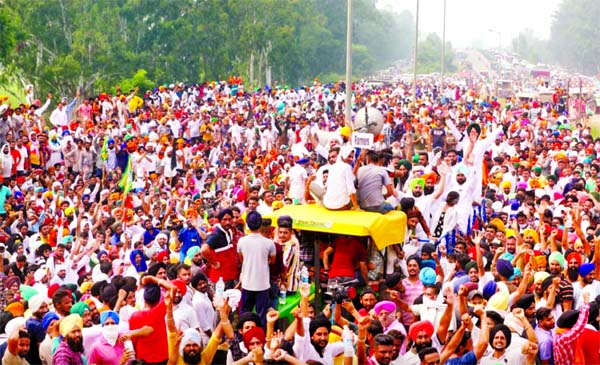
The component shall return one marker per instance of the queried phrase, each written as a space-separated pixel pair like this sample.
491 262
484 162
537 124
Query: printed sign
362 140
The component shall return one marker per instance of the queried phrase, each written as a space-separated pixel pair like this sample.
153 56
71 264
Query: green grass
594 123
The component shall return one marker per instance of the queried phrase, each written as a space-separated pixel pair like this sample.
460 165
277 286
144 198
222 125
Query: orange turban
17 309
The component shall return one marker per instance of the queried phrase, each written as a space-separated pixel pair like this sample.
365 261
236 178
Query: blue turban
516 272
489 289
586 269
109 314
428 263
100 253
504 268
427 276
460 281
48 318
141 267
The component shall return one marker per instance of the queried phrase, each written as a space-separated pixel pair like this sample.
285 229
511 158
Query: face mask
110 333
451 266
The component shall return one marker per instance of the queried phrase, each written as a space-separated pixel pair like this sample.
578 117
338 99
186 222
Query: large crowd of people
140 227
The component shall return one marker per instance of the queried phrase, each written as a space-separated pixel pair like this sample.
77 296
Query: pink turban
385 305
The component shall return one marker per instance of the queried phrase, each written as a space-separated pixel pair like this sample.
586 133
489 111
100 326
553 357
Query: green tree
574 35
64 45
530 47
429 55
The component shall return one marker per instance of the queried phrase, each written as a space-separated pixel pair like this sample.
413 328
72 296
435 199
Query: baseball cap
475 293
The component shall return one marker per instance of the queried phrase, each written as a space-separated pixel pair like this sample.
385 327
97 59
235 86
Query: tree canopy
574 35
63 45
429 55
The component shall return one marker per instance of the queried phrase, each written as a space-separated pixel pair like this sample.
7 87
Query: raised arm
553 291
304 293
484 335
452 345
442 331
361 347
519 313
478 255
577 225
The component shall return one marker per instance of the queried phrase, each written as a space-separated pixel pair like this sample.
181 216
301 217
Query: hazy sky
468 21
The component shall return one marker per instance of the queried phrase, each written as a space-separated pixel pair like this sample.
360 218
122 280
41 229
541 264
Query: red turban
180 284
52 289
161 256
576 256
254 332
419 326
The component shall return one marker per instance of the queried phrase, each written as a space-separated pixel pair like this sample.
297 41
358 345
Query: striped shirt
564 343
291 261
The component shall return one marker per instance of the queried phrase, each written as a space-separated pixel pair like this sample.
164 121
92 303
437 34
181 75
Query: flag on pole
174 155
104 150
126 181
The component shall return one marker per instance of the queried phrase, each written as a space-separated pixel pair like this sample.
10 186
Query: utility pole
414 91
443 51
348 113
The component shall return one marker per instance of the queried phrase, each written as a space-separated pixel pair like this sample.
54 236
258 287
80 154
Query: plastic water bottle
282 294
304 275
219 291
128 345
348 341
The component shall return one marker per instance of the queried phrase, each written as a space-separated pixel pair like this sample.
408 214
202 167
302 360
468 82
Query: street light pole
443 50
348 114
414 91
497 32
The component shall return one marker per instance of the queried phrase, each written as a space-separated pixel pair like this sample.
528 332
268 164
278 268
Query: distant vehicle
503 88
539 72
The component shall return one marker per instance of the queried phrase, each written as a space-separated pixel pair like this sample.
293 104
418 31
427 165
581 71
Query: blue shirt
150 235
189 237
37 334
467 359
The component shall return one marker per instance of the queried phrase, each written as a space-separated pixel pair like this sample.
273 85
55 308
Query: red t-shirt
347 253
153 348
590 339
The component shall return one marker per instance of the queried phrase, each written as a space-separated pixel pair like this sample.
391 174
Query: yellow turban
86 286
499 224
530 232
540 276
496 178
498 301
540 261
70 323
510 233
506 184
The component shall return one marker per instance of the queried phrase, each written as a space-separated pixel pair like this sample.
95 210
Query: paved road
478 61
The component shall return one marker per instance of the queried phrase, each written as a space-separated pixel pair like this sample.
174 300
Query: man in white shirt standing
295 181
203 305
256 253
60 116
341 192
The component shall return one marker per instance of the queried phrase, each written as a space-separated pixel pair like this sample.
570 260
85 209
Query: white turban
35 302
